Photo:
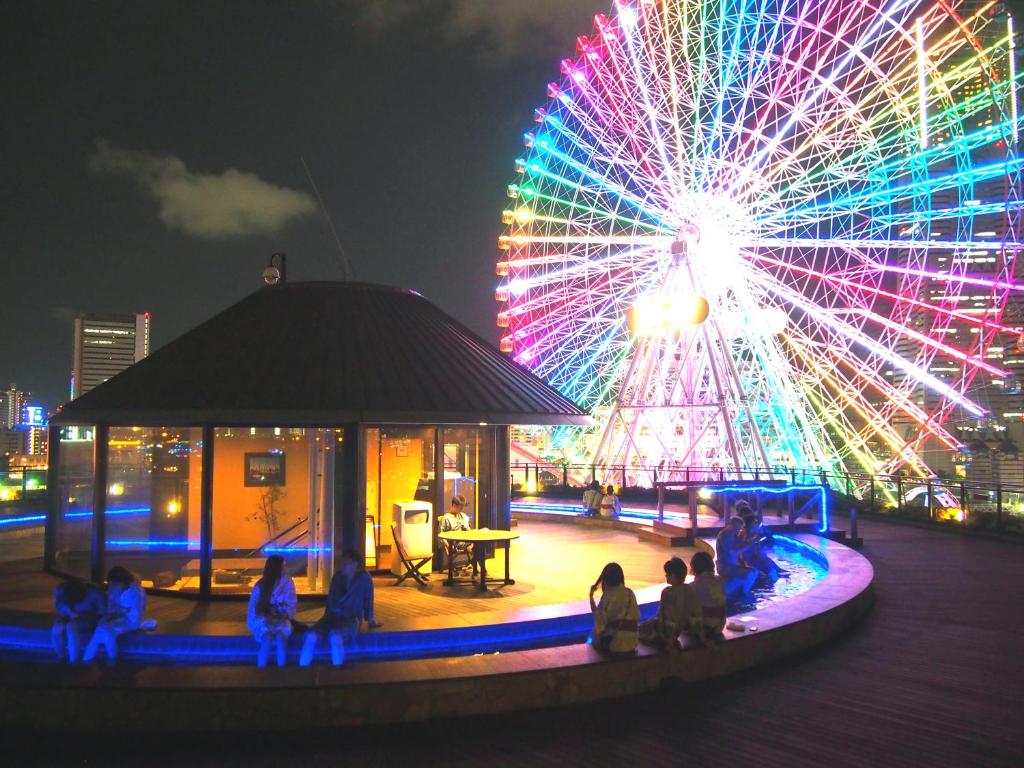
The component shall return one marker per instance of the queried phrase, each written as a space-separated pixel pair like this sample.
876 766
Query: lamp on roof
277 270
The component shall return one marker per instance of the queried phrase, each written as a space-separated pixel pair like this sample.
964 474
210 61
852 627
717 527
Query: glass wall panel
73 529
468 472
153 501
400 491
268 494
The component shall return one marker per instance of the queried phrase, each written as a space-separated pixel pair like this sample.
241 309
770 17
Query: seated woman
678 608
349 603
729 550
79 607
617 615
126 605
610 504
271 610
710 592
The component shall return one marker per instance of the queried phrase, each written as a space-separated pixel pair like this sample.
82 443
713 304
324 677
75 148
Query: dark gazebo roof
306 354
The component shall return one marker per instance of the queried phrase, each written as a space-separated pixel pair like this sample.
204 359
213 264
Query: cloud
229 204
506 28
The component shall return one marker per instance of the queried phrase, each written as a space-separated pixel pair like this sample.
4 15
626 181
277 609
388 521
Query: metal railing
969 503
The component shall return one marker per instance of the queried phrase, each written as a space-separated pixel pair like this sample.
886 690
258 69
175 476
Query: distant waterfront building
106 344
12 403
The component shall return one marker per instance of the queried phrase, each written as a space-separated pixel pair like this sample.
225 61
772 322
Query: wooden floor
551 563
933 678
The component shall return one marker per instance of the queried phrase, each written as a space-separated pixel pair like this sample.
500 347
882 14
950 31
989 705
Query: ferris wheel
778 233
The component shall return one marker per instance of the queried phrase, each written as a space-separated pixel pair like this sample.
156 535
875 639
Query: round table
476 537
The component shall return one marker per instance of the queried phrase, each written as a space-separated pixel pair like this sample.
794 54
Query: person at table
271 610
592 499
729 548
610 504
677 609
126 605
349 603
710 593
456 519
617 615
79 608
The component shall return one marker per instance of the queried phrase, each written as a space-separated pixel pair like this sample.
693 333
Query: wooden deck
933 678
551 563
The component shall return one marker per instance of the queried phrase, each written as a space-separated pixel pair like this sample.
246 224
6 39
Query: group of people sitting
599 501
86 610
271 615
696 610
740 549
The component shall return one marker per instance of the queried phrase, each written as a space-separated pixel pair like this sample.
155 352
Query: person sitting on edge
271 610
456 519
610 504
349 602
707 626
755 534
79 608
592 499
678 607
728 548
126 605
617 615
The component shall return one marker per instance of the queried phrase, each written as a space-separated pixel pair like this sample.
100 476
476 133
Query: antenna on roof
343 261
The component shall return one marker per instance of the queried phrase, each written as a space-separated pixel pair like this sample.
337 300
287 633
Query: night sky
151 153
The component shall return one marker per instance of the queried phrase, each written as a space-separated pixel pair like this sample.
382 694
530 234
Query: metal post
931 504
54 499
206 515
661 503
99 503
999 507
565 477
872 493
899 494
853 525
963 502
623 484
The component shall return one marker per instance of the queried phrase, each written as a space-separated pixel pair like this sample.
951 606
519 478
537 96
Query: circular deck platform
186 692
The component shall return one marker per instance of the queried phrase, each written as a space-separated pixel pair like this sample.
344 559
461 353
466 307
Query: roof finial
276 273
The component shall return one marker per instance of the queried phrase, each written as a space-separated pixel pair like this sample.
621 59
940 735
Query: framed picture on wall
401 450
263 469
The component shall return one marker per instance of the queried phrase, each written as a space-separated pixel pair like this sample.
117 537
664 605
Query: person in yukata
710 592
349 603
676 610
759 538
126 605
610 504
79 608
271 610
729 547
592 499
617 615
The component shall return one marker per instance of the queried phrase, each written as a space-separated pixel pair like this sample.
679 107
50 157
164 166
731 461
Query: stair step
663 539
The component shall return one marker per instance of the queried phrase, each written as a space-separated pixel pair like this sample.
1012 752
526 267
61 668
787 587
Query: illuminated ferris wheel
778 233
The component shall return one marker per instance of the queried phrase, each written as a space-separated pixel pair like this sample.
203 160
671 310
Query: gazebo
307 418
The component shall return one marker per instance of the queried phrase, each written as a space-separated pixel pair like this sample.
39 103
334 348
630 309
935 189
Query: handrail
277 536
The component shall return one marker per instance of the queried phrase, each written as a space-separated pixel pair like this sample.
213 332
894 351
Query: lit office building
12 403
104 346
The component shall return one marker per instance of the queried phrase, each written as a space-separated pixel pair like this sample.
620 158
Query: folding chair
413 565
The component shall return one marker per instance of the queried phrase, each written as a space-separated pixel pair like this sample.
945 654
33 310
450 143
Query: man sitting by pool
728 548
349 602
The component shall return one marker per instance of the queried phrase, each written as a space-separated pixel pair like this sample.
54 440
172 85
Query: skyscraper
12 401
104 346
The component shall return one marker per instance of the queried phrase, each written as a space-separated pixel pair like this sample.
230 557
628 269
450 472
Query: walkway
932 678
